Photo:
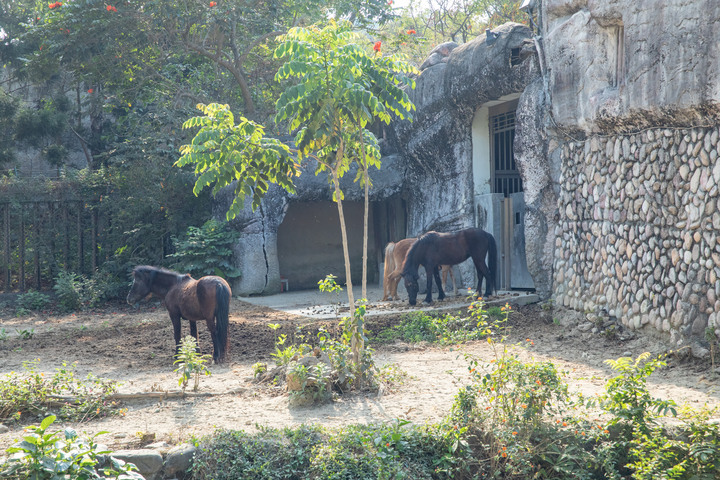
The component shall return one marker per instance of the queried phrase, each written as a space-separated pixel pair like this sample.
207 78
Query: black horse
184 297
434 249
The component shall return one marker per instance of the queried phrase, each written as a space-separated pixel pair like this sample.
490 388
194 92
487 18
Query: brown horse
434 249
184 297
394 257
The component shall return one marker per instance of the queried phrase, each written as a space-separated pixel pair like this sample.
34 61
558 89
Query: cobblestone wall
638 231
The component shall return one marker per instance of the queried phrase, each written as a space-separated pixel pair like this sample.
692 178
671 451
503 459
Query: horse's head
142 279
411 285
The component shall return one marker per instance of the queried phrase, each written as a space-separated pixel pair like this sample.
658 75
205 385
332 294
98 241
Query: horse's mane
410 264
164 275
150 268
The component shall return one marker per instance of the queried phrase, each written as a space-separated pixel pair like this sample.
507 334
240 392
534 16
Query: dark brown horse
434 249
394 257
184 297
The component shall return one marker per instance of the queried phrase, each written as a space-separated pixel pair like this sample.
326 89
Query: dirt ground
134 346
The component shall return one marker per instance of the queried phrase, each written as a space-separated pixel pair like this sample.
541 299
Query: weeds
190 363
36 394
25 334
443 329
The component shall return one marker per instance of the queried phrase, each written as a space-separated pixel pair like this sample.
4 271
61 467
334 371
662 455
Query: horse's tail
492 260
389 268
222 320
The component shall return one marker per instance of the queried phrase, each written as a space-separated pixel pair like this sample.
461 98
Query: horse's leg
483 272
214 335
194 333
452 276
441 291
389 268
394 282
175 319
448 270
429 274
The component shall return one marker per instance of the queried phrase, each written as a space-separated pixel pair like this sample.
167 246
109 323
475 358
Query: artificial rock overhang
427 161
436 147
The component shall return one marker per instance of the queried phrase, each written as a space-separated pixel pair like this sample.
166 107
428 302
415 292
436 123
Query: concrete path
316 304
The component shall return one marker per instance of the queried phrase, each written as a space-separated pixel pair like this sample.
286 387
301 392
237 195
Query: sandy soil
135 347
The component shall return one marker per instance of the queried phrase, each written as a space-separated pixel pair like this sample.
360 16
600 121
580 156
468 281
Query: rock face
437 146
635 99
628 64
540 186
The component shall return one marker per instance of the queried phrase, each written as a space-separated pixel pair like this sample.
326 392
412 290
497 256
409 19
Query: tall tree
341 85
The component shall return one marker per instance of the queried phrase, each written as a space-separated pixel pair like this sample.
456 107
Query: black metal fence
40 238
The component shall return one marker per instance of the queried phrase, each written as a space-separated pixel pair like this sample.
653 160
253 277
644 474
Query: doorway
499 201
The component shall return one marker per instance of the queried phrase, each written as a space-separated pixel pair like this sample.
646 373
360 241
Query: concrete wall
309 244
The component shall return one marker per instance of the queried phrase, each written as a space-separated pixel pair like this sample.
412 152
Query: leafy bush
398 450
69 288
75 291
190 363
269 454
206 250
42 455
31 301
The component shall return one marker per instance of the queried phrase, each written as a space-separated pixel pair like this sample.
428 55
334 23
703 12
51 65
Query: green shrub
190 363
445 329
398 450
269 454
75 291
69 288
206 250
42 455
31 301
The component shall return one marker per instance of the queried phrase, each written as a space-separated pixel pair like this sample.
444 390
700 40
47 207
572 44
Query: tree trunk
355 346
366 214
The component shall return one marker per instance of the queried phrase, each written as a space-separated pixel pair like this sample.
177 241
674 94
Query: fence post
66 238
6 267
94 242
36 244
80 237
22 248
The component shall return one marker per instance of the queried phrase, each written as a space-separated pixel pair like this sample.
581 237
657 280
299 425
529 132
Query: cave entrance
498 191
309 244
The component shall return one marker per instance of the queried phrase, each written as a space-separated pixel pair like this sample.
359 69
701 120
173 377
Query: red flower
377 46
90 90
212 4
54 5
110 8
411 32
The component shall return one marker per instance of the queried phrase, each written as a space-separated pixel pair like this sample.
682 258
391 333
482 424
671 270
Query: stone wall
637 237
634 99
